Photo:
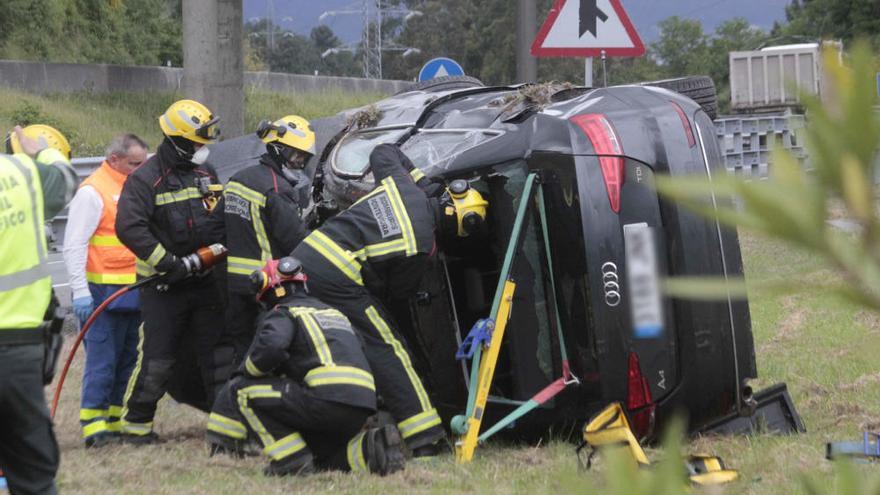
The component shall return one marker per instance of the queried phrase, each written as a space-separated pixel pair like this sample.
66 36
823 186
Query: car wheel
701 89
445 83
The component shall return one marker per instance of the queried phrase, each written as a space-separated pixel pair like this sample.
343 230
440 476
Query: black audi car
611 242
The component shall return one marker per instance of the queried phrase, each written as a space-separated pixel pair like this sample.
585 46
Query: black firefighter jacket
313 344
382 241
262 220
161 213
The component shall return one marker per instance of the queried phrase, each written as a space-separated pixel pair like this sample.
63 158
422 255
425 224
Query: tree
683 47
732 35
832 19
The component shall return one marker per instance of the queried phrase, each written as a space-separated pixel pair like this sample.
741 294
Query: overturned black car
591 252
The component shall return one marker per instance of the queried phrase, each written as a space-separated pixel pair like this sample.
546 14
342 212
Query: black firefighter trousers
28 450
397 382
294 425
180 325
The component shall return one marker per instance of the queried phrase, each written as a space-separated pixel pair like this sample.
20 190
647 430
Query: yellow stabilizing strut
465 446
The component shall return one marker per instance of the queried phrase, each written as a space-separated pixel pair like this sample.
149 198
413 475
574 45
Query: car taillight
605 141
685 123
638 398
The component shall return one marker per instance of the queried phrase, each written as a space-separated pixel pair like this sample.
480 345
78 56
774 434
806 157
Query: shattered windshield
352 155
432 148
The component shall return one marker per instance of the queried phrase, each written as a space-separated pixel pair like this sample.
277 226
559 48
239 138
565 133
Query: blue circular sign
439 67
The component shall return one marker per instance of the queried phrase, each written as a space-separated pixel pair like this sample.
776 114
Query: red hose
85 328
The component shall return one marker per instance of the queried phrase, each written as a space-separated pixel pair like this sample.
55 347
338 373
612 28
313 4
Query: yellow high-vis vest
25 284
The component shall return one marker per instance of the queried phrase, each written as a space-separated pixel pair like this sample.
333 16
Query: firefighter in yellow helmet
262 215
36 181
163 215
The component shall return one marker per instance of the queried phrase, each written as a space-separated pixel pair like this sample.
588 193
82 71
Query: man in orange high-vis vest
98 265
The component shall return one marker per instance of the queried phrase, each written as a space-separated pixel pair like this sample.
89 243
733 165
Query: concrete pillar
526 29
213 66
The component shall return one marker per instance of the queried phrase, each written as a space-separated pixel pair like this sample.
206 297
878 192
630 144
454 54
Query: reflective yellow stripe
417 174
418 423
135 372
245 193
285 447
402 217
401 354
226 426
105 240
260 232
157 255
355 453
244 397
140 429
339 375
178 196
114 425
381 249
369 195
90 429
340 258
114 412
316 335
252 368
90 414
111 278
143 269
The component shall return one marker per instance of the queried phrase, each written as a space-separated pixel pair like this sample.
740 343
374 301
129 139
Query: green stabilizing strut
503 276
544 228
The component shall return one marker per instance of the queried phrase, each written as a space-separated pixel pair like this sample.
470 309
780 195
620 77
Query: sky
301 16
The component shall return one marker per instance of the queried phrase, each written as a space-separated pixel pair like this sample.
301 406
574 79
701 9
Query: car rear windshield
352 156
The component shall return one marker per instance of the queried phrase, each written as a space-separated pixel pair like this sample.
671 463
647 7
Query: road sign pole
588 72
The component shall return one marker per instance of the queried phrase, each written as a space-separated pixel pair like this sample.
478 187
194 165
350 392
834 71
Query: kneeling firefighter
163 216
372 256
262 215
305 388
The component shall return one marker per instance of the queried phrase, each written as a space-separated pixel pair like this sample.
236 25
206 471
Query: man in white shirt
98 265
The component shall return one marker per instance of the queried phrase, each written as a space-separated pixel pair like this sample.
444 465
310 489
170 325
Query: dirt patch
868 319
861 382
791 324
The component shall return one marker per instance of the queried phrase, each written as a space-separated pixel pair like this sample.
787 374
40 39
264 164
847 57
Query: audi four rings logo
611 284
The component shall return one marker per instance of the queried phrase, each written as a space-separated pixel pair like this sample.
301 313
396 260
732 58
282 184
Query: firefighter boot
384 450
295 465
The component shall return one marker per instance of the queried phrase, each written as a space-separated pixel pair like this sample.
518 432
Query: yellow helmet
190 120
291 130
47 135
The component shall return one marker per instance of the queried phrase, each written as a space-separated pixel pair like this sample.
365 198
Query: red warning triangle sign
586 28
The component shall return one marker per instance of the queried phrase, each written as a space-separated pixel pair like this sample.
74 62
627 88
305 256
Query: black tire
701 89
445 83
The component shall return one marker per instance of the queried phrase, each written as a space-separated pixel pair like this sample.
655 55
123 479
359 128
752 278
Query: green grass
91 120
824 348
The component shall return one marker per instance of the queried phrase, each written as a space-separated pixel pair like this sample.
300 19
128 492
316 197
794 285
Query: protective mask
200 156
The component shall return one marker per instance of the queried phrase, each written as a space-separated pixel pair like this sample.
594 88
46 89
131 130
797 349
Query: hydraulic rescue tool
490 334
610 428
202 260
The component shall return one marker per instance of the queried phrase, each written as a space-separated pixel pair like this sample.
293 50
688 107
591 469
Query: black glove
177 272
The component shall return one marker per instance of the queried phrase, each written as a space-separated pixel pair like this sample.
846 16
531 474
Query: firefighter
262 217
98 265
36 181
164 215
305 389
372 256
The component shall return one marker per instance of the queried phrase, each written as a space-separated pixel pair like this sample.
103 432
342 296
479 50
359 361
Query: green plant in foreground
842 136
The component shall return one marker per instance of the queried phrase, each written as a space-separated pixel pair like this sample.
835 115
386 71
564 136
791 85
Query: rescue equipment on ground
610 428
868 450
489 334
200 261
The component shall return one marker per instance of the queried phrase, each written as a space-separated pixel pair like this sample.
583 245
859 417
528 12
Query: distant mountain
301 16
